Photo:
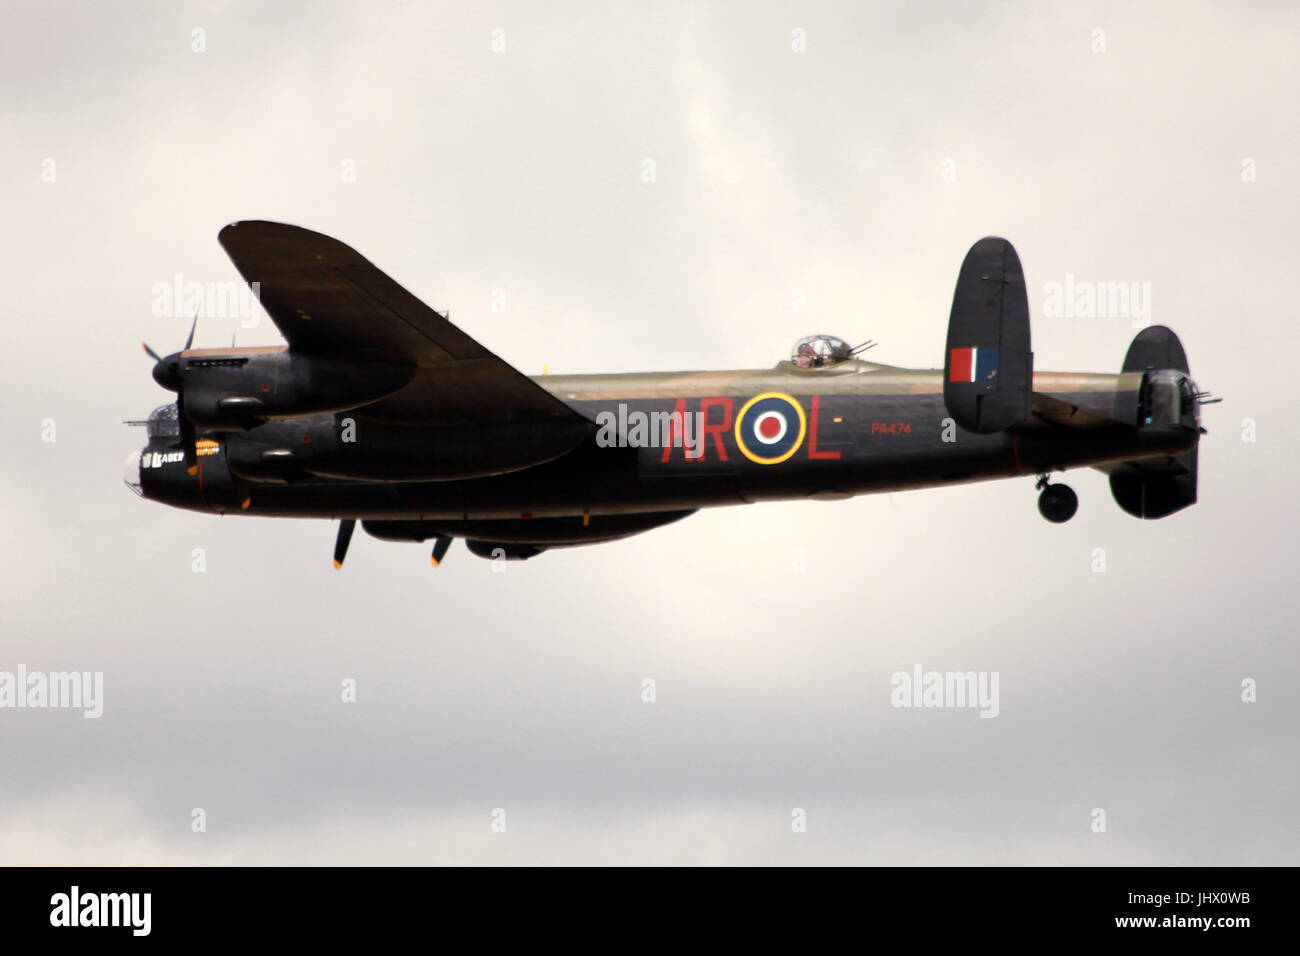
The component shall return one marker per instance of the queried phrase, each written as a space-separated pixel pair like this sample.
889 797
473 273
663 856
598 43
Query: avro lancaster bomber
379 410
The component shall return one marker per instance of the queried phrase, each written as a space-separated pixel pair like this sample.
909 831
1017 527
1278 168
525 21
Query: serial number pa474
891 428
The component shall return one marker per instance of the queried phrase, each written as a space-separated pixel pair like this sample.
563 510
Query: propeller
440 545
167 373
187 435
346 527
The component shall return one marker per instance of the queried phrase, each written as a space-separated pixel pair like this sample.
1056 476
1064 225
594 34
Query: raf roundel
770 428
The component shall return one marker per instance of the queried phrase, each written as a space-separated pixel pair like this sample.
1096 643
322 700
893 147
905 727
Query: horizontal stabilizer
988 366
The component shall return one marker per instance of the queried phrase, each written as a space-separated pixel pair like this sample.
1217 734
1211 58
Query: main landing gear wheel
1056 503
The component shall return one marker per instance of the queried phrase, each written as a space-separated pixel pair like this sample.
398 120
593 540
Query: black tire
1058 503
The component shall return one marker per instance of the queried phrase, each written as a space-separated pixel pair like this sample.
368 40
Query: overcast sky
856 170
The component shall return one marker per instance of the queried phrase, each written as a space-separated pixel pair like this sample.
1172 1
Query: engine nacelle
230 391
342 446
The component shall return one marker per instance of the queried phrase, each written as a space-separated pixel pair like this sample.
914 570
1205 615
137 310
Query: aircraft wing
328 300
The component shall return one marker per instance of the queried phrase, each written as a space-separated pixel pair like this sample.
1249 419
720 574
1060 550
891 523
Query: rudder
988 366
1155 488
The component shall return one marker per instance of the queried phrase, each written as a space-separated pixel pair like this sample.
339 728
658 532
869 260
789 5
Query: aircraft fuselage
676 441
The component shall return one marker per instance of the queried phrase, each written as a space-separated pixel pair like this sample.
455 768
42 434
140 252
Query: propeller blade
187 436
440 545
150 352
346 527
193 325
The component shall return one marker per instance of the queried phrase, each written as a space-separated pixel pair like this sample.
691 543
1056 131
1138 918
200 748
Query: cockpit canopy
163 423
819 351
